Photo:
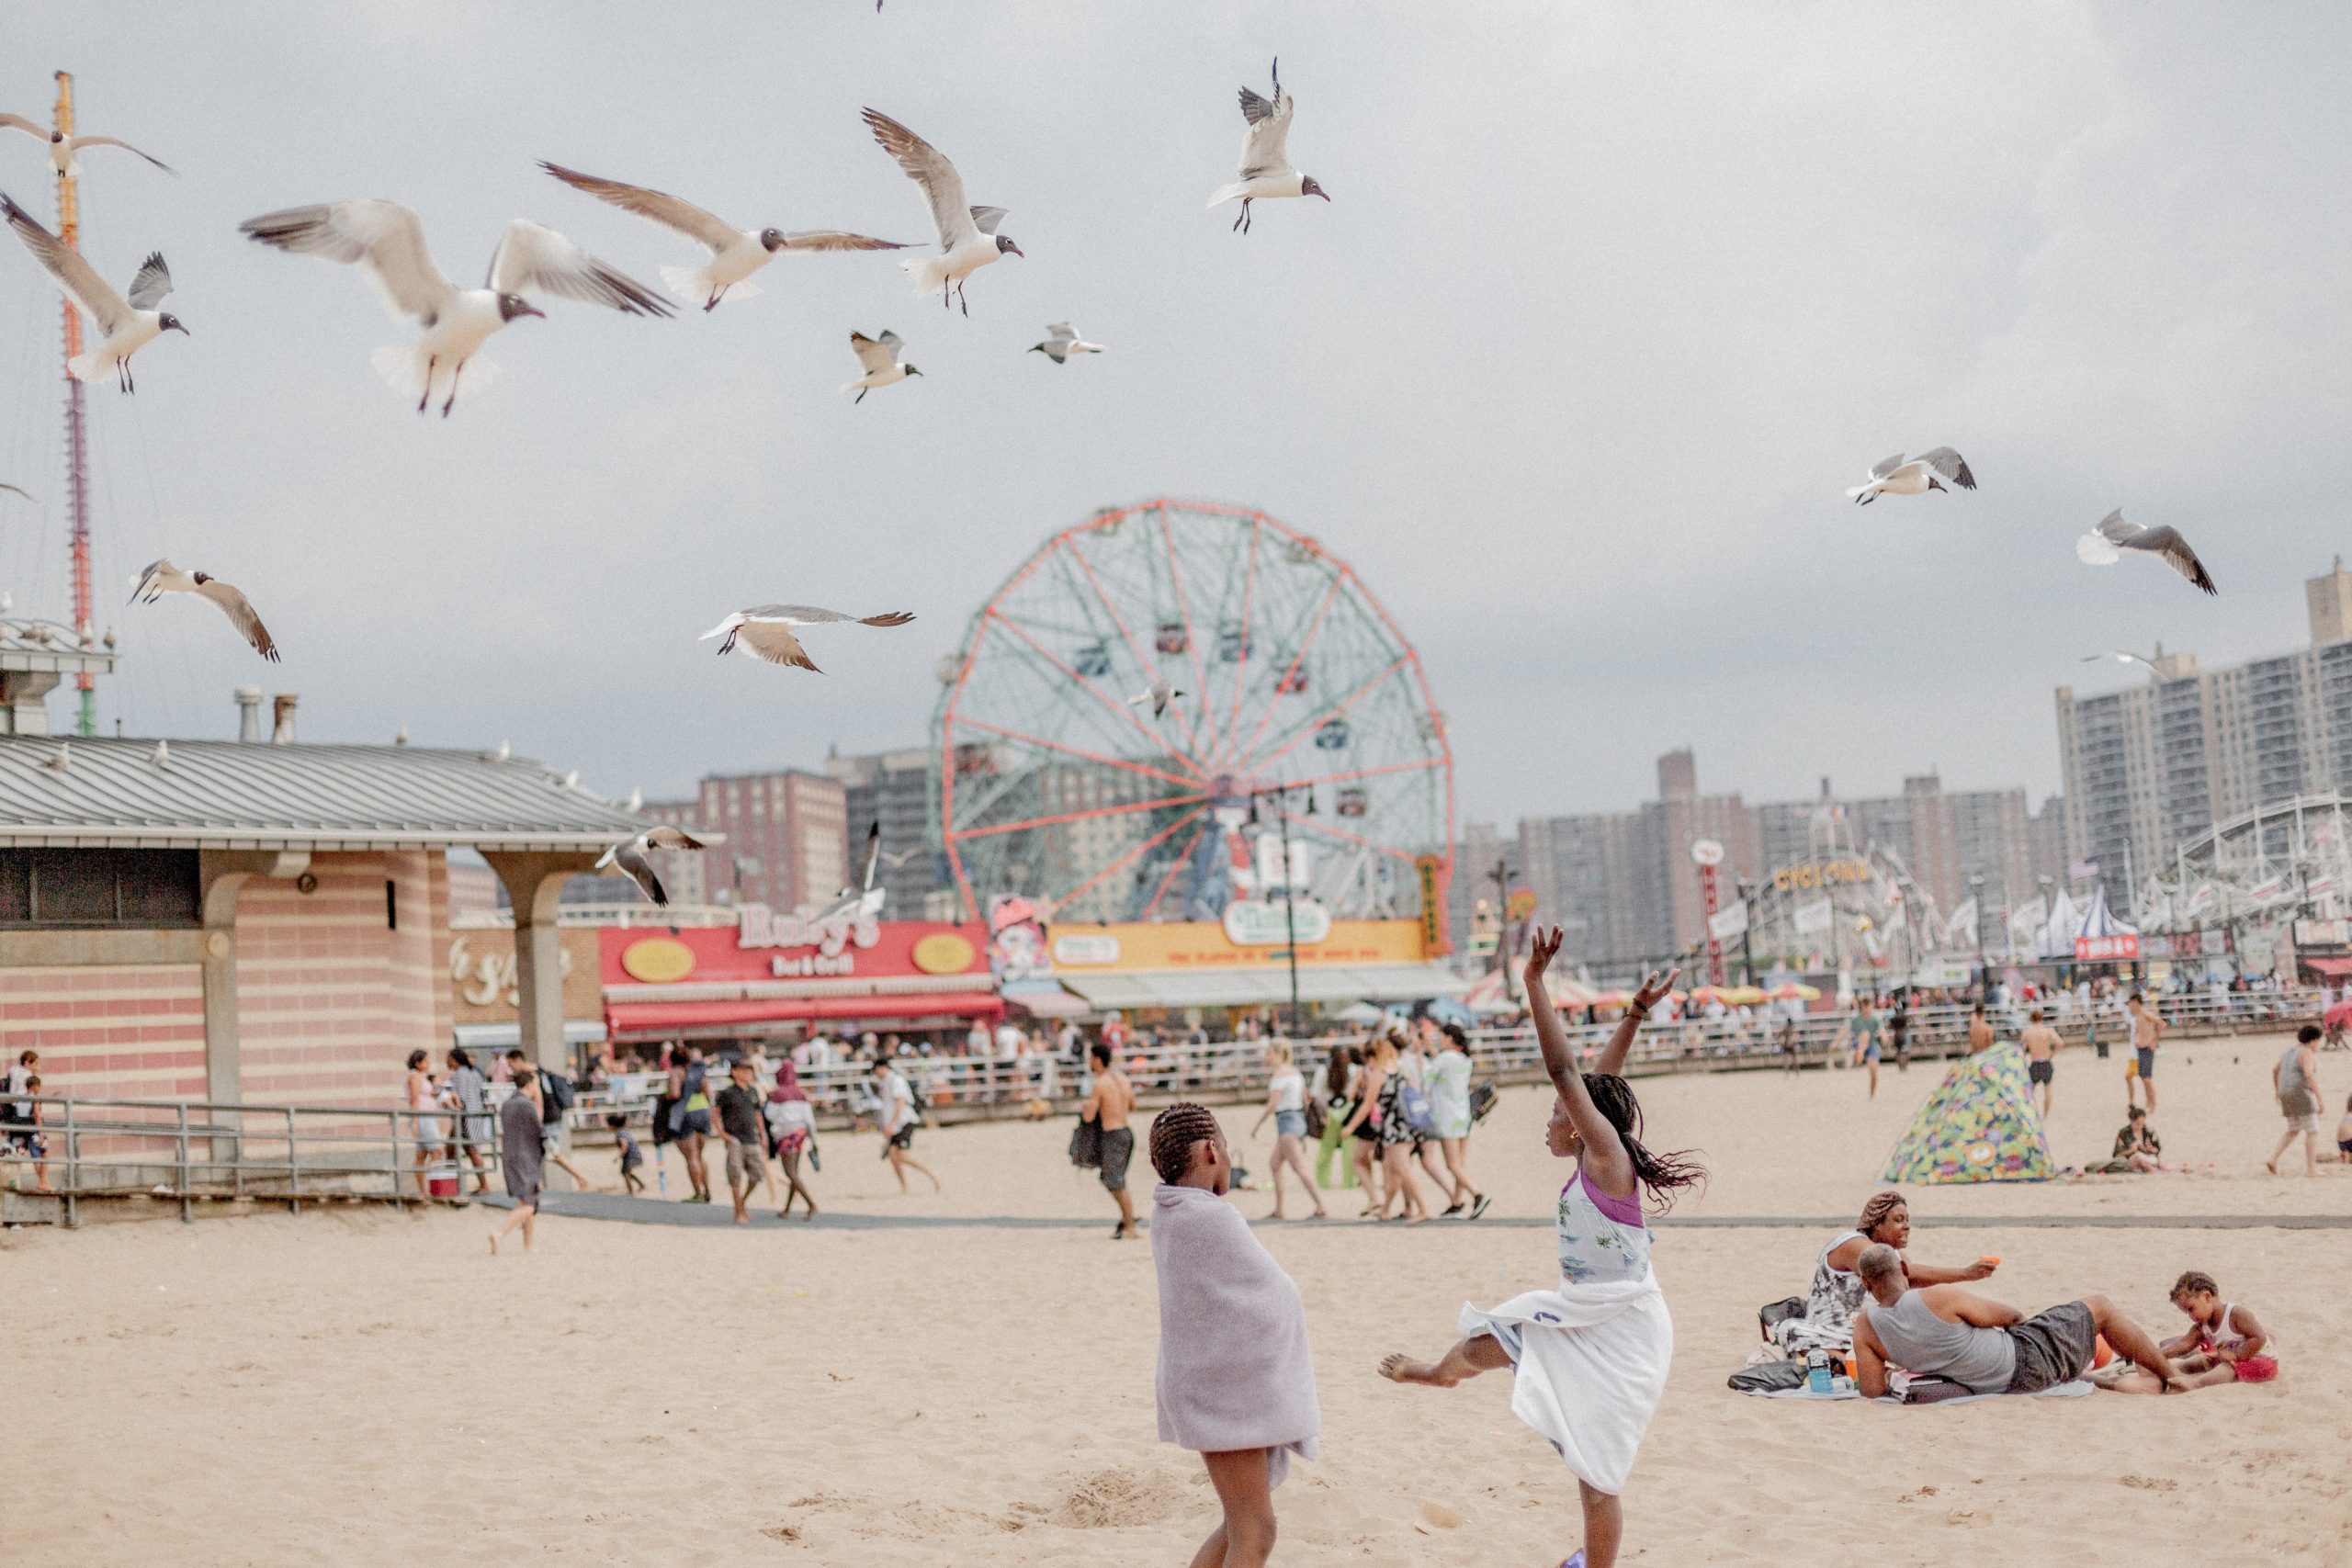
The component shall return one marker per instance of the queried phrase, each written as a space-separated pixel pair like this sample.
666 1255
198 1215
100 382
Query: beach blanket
2074 1390
1591 1360
1235 1371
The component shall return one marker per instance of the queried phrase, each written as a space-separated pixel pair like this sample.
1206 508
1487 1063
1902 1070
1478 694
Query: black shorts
1118 1148
2147 1054
2038 1072
904 1138
2054 1345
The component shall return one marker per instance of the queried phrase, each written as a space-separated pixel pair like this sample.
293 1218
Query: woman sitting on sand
1827 1322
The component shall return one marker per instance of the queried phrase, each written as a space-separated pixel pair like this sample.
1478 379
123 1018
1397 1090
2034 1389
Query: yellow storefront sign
1203 944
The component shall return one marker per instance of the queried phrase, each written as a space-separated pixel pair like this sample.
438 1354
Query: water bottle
1817 1371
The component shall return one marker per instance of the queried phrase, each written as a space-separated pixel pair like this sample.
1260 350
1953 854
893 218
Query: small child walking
1591 1354
630 1155
1236 1380
2223 1344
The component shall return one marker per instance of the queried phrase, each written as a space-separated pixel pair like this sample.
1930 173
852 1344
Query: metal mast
77 441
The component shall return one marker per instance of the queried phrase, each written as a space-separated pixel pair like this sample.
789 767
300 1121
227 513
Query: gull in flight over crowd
386 241
2105 545
735 253
130 324
62 148
1894 476
1061 342
968 236
766 630
19 490
2122 657
629 855
879 356
162 577
1265 154
1159 694
865 898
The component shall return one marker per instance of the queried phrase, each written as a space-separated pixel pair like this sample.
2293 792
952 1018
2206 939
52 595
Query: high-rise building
2152 766
788 838
894 788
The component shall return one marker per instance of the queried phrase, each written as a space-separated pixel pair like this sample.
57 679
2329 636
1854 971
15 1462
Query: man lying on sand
1946 1331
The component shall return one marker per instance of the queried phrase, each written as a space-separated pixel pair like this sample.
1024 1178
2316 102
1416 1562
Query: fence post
180 1142
293 1168
72 1168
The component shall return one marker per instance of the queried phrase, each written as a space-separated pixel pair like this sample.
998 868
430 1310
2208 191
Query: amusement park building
2150 767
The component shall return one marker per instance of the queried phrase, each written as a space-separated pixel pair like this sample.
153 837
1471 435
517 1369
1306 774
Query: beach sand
358 1387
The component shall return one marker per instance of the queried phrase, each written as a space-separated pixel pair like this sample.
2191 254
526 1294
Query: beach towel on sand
1235 1371
1591 1361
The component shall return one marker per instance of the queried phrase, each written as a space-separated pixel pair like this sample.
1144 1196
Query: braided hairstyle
1875 1212
1661 1175
1173 1133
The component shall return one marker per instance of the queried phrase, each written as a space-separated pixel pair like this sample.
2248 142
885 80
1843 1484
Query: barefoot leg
1480 1353
1604 1526
1243 1487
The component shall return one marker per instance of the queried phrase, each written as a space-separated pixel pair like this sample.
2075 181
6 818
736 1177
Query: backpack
556 1090
1484 1098
1416 1107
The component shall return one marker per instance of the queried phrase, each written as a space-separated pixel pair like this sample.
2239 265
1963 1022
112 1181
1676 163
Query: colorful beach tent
1979 1126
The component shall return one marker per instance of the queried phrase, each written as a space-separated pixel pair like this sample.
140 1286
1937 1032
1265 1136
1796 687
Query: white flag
2027 919
1728 923
1813 918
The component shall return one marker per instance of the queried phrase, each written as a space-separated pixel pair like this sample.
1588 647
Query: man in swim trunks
2146 1030
1948 1331
2040 1042
1867 1030
1980 1030
1110 1106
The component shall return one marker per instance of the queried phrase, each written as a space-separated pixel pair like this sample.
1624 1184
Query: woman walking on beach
1591 1354
1446 1081
792 1131
1236 1377
1339 1072
690 1118
1363 1126
423 1095
1286 1103
471 1092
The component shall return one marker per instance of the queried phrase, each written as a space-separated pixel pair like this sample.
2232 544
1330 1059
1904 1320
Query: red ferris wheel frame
1206 755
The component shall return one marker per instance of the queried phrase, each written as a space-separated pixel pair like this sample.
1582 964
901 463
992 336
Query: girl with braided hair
1590 1356
1236 1380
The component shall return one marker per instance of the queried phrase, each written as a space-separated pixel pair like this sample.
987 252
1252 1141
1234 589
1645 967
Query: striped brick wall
329 997
116 1031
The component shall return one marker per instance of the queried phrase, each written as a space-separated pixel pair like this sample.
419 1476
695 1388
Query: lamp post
1976 899
1279 795
1746 931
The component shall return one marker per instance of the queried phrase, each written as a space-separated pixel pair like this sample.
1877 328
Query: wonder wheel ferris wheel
1272 665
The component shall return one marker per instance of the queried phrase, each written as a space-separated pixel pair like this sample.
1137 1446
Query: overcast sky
1610 303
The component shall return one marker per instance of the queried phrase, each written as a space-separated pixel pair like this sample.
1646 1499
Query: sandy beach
359 1388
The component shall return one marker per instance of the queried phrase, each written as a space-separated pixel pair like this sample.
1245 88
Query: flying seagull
2120 656
19 489
865 898
386 241
1061 342
968 236
629 855
62 148
2104 547
1892 476
1265 157
129 324
766 630
879 356
735 253
1159 694
162 576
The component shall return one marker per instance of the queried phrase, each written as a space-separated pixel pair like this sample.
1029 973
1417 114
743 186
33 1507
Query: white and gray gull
629 855
130 324
64 148
1061 342
2104 547
766 630
1895 475
162 576
968 236
1265 153
735 253
386 241
879 357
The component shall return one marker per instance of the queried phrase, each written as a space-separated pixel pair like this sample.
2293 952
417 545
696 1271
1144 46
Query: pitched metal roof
231 796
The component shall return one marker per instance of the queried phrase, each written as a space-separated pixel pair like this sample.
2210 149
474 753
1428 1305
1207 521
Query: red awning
647 1018
2333 968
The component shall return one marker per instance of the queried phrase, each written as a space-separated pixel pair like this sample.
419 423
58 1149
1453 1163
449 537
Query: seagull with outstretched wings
1265 153
629 856
64 148
2104 547
766 630
968 236
162 576
878 358
1937 469
130 322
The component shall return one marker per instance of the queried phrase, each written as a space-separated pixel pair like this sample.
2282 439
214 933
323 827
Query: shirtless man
2040 1042
1980 1030
1113 1101
2146 1030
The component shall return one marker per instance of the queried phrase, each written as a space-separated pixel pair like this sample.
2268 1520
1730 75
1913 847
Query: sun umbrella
2340 1016
1792 991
